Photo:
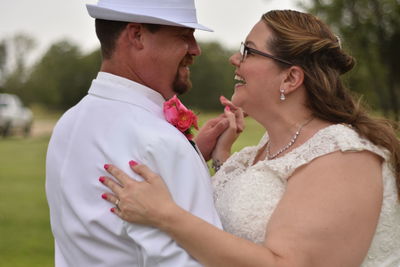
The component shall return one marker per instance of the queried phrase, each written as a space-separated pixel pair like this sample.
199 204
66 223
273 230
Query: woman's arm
327 216
153 205
224 144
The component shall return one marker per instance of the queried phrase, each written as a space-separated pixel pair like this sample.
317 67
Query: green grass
251 135
42 113
25 235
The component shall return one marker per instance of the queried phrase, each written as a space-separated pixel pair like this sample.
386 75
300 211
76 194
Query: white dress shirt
118 121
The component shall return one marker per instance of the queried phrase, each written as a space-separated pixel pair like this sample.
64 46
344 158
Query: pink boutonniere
179 116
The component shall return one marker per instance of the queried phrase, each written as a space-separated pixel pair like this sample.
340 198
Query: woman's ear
293 80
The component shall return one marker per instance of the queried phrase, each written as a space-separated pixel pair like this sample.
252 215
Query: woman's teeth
239 79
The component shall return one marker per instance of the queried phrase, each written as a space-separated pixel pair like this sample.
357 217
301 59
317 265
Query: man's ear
293 80
134 34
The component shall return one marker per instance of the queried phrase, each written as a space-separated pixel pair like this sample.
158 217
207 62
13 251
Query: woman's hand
226 102
147 202
235 118
207 137
211 131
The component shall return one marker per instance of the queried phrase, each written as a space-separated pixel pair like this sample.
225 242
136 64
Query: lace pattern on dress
246 195
328 140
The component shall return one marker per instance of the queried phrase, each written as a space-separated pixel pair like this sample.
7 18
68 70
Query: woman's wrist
216 164
218 158
221 155
170 218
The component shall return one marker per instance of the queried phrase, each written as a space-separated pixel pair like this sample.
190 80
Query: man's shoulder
146 128
122 123
157 133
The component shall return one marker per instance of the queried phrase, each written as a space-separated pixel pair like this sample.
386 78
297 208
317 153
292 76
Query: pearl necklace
292 141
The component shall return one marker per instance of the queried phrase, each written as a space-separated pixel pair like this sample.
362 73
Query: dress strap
333 138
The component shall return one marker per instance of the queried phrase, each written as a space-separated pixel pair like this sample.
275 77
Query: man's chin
180 87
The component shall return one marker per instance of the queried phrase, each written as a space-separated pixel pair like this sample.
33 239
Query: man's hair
108 31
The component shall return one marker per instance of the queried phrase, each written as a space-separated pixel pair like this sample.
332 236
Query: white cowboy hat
180 13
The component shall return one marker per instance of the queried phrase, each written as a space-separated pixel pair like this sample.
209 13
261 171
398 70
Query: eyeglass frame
244 49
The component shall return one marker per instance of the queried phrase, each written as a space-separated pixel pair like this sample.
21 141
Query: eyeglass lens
243 51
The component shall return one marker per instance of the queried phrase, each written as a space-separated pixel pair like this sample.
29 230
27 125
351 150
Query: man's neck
122 69
119 70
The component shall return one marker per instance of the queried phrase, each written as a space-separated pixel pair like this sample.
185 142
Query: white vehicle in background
14 116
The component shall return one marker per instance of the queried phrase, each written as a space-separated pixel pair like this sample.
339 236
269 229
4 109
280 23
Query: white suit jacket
118 121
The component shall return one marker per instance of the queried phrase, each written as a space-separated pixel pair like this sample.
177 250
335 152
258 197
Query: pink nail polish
112 209
106 166
227 108
133 163
104 196
102 179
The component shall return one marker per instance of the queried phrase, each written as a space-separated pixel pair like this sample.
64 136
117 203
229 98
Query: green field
25 235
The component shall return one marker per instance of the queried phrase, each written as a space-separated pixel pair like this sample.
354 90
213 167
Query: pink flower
178 115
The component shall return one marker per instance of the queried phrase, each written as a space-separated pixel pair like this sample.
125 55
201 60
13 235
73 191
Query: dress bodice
246 195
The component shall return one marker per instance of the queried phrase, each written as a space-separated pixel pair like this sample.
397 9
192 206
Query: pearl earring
282 97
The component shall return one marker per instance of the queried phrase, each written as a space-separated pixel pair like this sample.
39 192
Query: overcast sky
49 21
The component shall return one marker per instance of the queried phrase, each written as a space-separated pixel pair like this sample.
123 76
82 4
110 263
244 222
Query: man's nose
194 48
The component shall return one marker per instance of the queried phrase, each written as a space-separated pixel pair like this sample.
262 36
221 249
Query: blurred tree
14 66
371 29
52 74
3 59
63 75
212 76
22 45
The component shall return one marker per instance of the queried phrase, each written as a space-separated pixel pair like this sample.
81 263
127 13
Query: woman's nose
235 59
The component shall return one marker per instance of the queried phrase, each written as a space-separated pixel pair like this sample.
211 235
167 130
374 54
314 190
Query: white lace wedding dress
246 195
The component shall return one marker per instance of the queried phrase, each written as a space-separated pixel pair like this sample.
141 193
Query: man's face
170 51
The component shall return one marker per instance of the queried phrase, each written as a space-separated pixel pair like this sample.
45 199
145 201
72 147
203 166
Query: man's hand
229 124
209 133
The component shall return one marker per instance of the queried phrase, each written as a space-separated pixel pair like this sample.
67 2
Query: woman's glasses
245 50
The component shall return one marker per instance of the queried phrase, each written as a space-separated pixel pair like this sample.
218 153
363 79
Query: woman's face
258 77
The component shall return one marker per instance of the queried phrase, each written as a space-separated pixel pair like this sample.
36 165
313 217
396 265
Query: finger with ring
116 203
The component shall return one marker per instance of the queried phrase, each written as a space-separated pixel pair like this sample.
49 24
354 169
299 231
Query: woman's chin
236 100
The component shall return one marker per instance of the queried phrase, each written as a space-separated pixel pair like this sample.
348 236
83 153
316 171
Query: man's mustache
187 60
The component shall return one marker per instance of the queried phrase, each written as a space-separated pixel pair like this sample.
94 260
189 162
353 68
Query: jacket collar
113 87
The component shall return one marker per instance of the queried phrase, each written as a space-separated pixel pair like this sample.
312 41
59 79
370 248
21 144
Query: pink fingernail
227 108
102 179
104 196
106 166
112 209
133 163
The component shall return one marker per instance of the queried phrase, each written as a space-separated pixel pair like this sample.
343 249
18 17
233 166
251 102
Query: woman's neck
288 131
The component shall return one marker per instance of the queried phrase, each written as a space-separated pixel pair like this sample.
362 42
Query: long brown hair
308 42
